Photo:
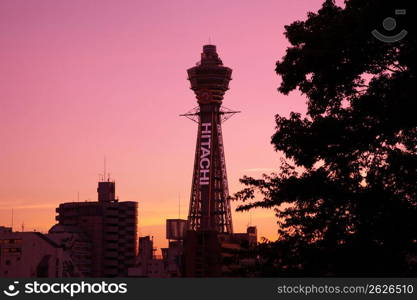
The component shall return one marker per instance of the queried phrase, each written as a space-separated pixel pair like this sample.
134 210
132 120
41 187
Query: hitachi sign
205 142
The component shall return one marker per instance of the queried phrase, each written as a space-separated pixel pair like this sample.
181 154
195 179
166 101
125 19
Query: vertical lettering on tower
205 150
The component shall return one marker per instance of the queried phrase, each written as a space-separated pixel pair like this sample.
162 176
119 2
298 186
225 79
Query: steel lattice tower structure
209 204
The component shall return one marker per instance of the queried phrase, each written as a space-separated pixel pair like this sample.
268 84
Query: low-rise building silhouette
33 254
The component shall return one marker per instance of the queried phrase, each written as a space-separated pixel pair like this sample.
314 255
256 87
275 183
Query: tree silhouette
346 194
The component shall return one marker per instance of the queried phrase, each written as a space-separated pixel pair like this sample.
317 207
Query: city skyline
102 83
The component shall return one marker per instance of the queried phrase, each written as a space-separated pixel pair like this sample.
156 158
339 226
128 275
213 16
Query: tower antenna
12 219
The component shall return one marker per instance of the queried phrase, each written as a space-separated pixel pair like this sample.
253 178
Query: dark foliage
346 196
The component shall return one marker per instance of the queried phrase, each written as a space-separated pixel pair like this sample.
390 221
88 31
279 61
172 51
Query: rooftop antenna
12 219
250 219
179 205
209 39
104 173
23 226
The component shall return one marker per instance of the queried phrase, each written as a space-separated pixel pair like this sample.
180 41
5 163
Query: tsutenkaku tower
209 204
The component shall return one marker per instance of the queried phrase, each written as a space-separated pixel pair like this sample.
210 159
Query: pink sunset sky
85 79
